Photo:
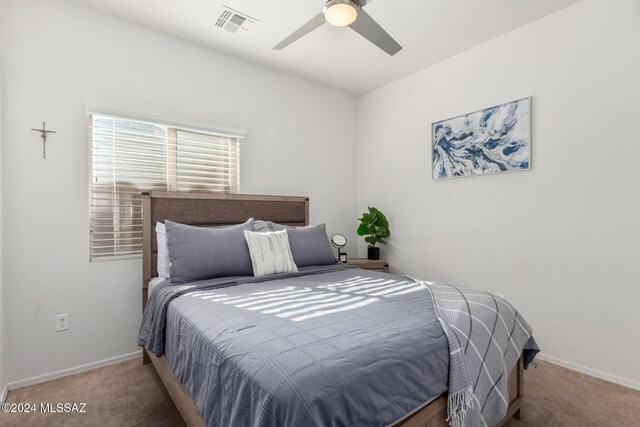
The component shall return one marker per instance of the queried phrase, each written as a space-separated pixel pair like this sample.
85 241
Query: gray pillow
309 245
204 253
263 226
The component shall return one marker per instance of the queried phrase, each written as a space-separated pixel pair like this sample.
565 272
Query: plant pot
373 252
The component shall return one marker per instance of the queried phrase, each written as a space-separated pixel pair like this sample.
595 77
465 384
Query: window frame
173 127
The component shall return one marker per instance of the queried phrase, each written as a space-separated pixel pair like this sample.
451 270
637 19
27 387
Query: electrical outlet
62 322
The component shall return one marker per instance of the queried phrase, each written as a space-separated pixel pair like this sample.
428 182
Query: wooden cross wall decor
44 132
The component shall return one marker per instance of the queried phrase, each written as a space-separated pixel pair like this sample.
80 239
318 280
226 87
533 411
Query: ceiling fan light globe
340 13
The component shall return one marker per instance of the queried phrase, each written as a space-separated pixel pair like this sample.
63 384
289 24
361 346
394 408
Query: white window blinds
127 157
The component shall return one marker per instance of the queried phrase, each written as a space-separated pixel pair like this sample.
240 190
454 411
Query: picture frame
492 140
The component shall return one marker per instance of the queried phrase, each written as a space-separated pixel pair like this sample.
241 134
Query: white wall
3 348
560 241
59 55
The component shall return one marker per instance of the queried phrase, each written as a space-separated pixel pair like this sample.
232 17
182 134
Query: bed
176 366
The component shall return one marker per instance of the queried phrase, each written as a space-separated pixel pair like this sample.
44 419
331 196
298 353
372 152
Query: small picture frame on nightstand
343 257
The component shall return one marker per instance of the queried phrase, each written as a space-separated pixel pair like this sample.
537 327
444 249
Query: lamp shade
340 13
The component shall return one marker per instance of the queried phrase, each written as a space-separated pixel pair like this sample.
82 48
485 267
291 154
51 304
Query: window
127 157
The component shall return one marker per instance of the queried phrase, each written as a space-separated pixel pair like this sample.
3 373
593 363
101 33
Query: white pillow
163 251
270 252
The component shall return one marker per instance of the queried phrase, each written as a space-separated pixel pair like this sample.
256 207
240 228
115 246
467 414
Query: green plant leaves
362 230
374 225
383 232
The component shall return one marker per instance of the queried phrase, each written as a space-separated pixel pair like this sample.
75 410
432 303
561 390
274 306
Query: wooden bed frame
214 209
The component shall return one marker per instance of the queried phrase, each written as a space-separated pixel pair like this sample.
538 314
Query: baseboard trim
591 372
70 371
3 395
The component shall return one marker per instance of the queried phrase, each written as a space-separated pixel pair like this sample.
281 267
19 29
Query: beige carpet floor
130 394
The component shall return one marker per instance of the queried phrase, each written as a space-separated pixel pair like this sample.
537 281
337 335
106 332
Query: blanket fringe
458 405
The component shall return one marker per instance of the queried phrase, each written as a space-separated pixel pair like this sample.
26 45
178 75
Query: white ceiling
428 30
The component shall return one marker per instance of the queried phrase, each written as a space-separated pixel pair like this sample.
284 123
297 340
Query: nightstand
369 264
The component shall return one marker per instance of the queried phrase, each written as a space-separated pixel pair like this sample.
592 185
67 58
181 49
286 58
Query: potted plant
375 226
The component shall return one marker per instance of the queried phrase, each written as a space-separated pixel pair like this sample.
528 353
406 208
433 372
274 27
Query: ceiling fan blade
314 23
370 30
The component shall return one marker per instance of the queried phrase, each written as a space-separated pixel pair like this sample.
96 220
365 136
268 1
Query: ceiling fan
342 13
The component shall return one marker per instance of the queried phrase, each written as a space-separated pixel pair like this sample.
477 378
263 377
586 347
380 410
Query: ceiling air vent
233 21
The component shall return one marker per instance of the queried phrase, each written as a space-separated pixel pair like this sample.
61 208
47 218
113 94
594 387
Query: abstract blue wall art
496 139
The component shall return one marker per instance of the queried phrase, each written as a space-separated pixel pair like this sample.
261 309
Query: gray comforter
328 346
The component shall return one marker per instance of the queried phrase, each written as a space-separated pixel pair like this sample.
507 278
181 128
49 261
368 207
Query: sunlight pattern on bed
302 303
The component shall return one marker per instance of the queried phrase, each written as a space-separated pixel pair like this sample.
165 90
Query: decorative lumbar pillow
309 245
163 252
270 252
204 253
